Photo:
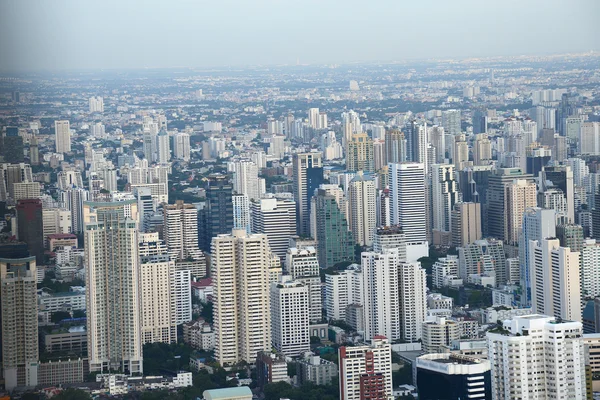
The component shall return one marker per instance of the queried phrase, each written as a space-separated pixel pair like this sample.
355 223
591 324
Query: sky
117 34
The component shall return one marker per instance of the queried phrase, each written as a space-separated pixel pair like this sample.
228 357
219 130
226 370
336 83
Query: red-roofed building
203 289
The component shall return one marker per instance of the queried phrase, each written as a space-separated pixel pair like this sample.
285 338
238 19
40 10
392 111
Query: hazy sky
74 34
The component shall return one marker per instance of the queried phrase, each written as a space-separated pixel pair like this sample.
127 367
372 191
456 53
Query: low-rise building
271 367
316 370
72 340
199 335
202 289
54 302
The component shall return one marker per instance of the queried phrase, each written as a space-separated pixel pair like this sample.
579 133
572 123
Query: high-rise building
408 205
537 357
181 146
242 316
416 142
11 146
496 204
380 295
444 268
439 332
334 240
275 218
342 288
241 212
461 152
19 339
245 179
55 220
590 274
366 371
560 177
395 146
482 150
520 195
451 122
308 176
383 207
444 194
303 266
359 153
73 199
483 257
30 227
217 216
555 280
62 132
538 224
96 104
453 376
163 154
157 297
466 223
180 231
11 174
290 317
113 287
412 290
363 220
437 138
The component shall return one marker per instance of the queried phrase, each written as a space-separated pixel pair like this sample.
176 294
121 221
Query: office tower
451 122
363 220
520 195
538 224
482 150
342 288
150 145
395 146
444 194
163 148
590 275
303 266
555 280
245 179
334 240
73 199
181 146
453 376
380 295
180 231
157 300
437 138
390 238
307 175
359 153
290 317
537 158
465 223
379 160
275 218
416 142
383 208
18 299
241 212
479 122
407 209
560 177
461 152
34 152
571 236
496 205
412 290
96 104
146 207
445 268
63 136
30 227
11 146
366 370
573 128
242 317
218 214
482 257
112 287
537 357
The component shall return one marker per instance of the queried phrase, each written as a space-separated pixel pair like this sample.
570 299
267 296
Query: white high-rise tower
63 136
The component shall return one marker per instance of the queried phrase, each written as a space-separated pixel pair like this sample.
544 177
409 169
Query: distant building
316 370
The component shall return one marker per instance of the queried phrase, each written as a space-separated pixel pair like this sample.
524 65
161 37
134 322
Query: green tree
207 312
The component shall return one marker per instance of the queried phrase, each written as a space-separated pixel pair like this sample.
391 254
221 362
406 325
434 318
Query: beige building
63 136
180 231
242 317
363 213
482 150
466 223
18 299
439 332
461 152
359 155
519 196
26 190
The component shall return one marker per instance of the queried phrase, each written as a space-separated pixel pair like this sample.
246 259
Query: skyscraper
73 199
395 146
303 266
290 317
181 146
334 240
362 199
275 218
308 175
520 195
30 227
242 315
112 283
163 147
241 212
451 122
180 230
18 299
245 178
444 194
412 288
96 104
218 215
482 150
359 153
63 136
466 223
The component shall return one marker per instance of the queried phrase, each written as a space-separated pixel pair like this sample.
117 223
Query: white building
342 289
242 316
55 220
180 230
303 265
590 273
73 199
96 104
275 218
537 357
63 136
245 179
444 194
444 267
112 282
555 280
366 368
290 317
412 287
363 211
181 146
439 301
241 212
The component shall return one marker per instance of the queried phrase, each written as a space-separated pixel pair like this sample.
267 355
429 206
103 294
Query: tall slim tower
290 317
308 175
180 230
63 136
163 148
395 146
276 218
242 316
112 283
359 153
363 209
218 215
31 230
302 264
444 195
18 301
520 195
